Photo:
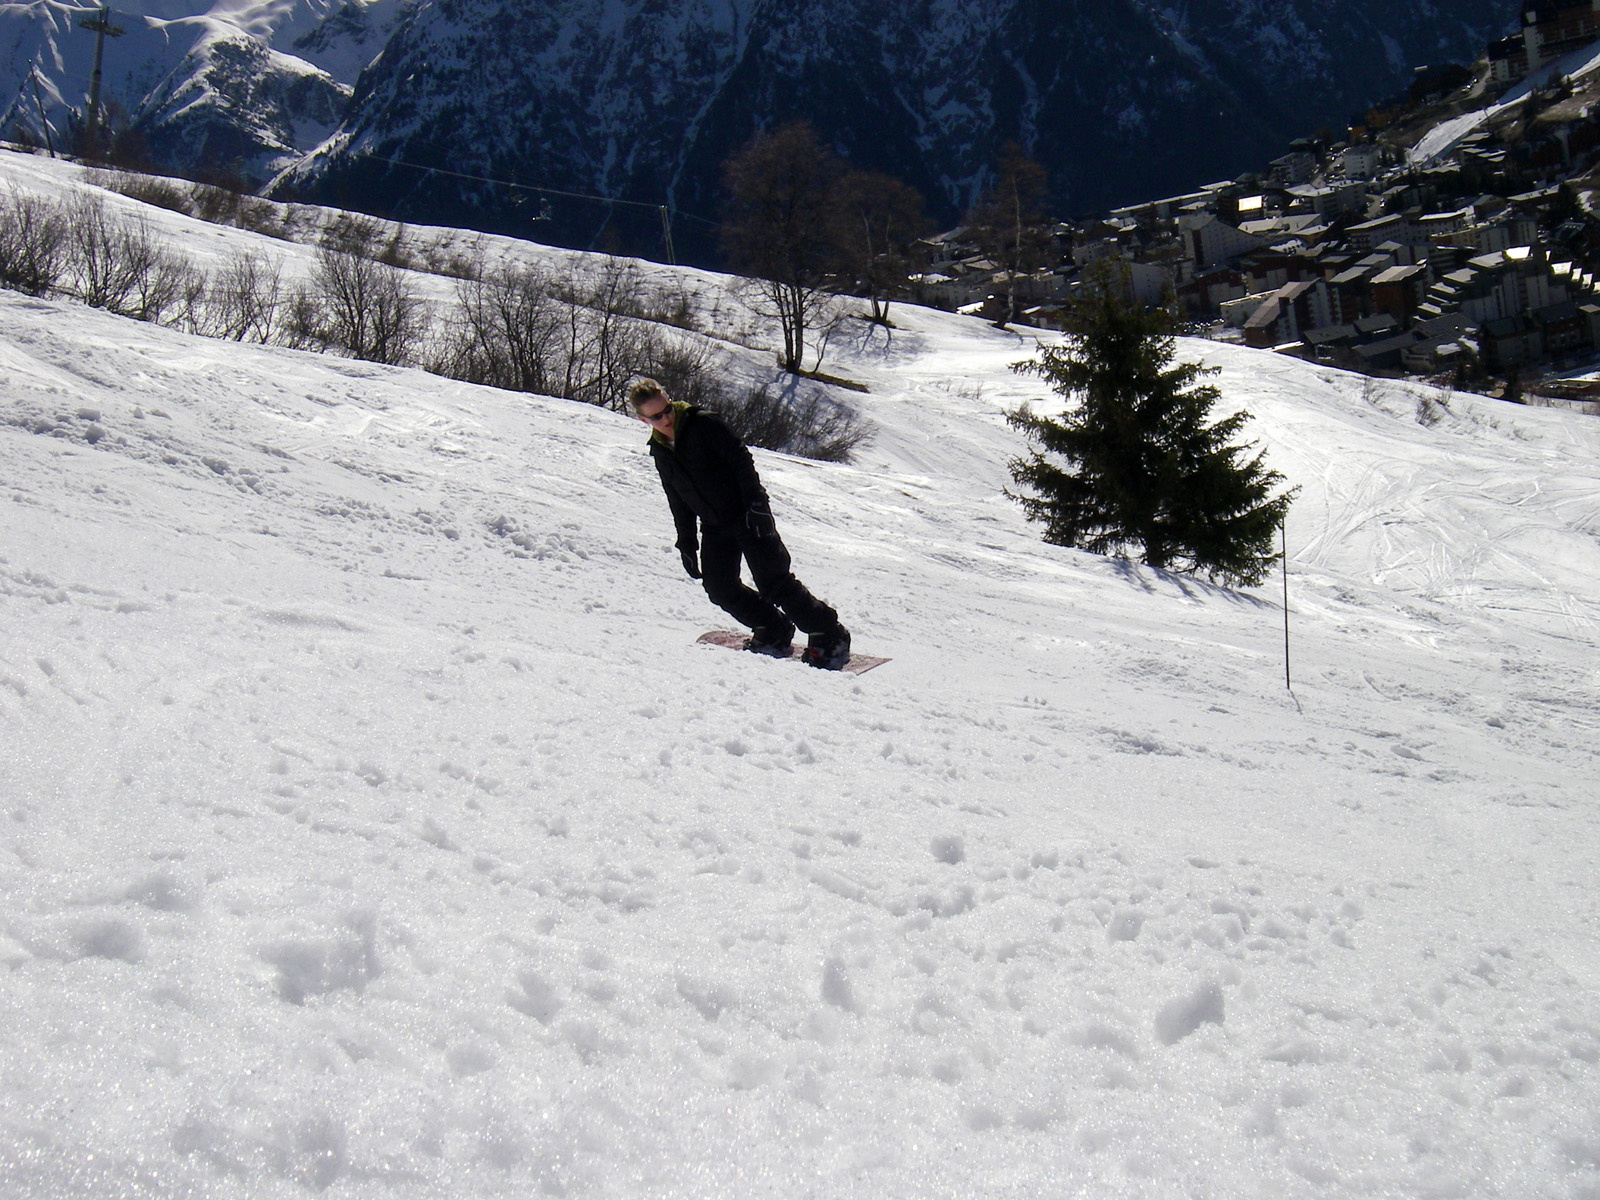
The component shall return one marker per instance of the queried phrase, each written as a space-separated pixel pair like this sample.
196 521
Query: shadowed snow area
371 825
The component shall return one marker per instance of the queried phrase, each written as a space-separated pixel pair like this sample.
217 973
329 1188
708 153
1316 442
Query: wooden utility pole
44 121
666 236
102 28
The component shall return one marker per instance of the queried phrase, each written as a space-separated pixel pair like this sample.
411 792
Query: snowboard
735 641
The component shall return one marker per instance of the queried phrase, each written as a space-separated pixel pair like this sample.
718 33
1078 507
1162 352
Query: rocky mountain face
205 85
641 101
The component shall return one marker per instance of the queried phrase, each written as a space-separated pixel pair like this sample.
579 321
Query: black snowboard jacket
707 472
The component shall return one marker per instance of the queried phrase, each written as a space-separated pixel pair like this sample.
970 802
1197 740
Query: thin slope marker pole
1288 680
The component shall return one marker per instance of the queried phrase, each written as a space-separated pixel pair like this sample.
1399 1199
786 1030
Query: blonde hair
641 390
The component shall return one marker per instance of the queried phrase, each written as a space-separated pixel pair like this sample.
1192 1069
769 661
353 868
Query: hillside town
1451 234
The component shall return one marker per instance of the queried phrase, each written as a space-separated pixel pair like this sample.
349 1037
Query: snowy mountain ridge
636 101
371 825
205 82
639 102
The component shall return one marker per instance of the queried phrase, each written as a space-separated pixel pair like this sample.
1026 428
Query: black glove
690 563
758 518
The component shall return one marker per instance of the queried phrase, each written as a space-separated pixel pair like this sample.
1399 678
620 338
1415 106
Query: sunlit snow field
371 825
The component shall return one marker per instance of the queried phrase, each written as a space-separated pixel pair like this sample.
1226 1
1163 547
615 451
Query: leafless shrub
811 425
614 289
227 204
616 343
172 289
605 339
307 321
1431 408
33 243
184 295
509 332
120 265
354 234
370 310
692 372
439 259
104 272
521 328
671 308
627 350
247 299
147 189
396 252
259 216
218 205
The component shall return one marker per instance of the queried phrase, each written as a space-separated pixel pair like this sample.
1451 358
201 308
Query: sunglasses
657 415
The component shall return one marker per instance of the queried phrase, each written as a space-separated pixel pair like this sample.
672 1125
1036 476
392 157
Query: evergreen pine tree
1134 466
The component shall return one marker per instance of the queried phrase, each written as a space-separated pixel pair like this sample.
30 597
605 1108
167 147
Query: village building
1346 256
1362 161
1211 242
1550 29
1399 291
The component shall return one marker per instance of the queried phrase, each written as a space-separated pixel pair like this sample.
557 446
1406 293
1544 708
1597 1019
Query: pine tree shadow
1191 587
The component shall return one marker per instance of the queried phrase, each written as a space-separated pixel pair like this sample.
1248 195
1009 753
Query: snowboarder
710 479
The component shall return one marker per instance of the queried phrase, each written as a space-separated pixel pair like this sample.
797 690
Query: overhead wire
666 212
542 190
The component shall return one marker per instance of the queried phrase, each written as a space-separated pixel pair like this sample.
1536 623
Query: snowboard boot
830 650
773 640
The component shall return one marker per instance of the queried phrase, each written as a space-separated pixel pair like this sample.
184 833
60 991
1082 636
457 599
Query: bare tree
103 272
165 281
509 331
306 319
1009 222
617 343
521 329
247 299
877 218
194 303
372 310
778 228
120 265
33 243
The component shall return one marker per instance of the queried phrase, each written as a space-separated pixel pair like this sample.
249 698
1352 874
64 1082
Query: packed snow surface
372 826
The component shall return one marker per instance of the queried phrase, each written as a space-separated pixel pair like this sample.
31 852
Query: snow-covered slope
370 824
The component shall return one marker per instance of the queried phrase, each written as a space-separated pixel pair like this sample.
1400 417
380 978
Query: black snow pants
777 593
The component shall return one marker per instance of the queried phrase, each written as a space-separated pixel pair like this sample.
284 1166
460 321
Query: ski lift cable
547 191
